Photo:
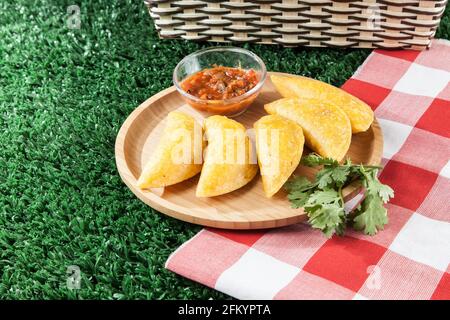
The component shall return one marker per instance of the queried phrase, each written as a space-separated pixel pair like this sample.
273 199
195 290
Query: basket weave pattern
389 24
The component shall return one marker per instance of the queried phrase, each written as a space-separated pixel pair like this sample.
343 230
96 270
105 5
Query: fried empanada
229 163
279 145
326 127
359 113
177 156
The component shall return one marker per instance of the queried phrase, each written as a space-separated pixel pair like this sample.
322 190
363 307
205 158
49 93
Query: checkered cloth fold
410 93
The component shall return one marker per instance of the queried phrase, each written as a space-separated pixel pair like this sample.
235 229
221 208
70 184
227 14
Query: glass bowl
226 57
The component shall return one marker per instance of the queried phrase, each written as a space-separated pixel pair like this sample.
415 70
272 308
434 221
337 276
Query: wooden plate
245 208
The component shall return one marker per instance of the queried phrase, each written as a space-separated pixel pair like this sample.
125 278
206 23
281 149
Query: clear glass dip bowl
226 57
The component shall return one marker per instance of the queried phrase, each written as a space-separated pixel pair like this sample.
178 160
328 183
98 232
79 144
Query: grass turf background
63 97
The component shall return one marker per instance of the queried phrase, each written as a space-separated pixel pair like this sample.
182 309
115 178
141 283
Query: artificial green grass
63 97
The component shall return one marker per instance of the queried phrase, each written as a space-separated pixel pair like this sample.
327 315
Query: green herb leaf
299 190
298 183
324 178
340 174
371 216
298 199
322 197
330 218
323 202
326 212
313 160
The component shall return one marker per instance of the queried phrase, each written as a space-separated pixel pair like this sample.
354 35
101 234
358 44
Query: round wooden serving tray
245 208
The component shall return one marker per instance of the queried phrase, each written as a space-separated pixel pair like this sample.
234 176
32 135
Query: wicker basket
388 24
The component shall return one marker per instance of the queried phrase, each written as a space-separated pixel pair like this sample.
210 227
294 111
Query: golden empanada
279 145
326 127
177 156
229 163
359 113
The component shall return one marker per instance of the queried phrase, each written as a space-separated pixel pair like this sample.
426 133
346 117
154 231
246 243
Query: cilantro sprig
323 201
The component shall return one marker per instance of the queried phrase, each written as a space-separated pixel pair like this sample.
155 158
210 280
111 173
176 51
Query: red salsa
220 83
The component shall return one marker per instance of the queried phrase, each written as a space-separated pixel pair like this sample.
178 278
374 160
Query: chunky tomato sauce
220 83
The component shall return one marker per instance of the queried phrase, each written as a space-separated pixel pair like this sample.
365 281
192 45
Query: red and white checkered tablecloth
410 93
